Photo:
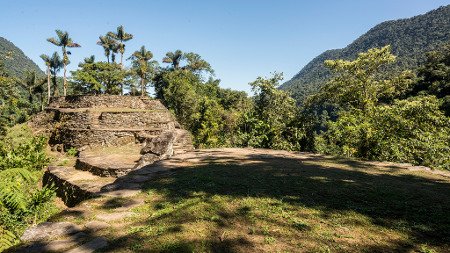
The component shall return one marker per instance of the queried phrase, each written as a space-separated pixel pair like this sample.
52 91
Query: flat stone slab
91 246
94 226
50 230
110 162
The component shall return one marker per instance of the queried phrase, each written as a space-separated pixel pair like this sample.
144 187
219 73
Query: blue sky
241 39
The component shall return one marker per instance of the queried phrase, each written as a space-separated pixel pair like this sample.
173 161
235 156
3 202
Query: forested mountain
16 63
410 40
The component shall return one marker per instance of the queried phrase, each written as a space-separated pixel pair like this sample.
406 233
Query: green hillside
15 61
410 39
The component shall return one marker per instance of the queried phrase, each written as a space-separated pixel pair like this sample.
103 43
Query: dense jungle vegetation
367 109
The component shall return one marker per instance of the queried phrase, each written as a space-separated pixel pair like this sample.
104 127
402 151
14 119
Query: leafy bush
22 202
412 130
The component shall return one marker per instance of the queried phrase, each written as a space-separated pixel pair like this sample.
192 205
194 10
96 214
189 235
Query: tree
413 130
87 60
110 46
143 67
360 83
434 77
47 61
269 124
121 36
174 58
196 64
55 66
99 78
64 41
33 84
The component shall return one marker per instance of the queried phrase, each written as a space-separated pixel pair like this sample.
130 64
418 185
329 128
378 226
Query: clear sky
242 39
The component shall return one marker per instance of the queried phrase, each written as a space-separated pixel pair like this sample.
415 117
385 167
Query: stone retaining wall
106 101
148 118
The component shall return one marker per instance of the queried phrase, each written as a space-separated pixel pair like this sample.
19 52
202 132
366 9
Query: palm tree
110 46
121 36
33 84
47 61
143 67
174 58
64 41
55 66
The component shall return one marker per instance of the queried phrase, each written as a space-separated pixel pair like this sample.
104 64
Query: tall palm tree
47 61
174 58
121 36
55 66
143 67
64 41
110 46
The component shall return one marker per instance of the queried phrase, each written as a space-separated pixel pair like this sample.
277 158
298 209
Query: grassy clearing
290 205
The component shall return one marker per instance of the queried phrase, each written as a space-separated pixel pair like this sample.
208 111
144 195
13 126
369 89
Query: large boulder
157 148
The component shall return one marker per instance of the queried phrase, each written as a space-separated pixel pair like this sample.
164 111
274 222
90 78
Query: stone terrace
113 135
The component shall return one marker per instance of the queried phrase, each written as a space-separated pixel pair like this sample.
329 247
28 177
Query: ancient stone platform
114 135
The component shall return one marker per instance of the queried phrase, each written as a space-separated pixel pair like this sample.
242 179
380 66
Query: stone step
110 161
74 186
111 129
104 168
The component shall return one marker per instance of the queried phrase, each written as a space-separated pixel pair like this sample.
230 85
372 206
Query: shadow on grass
407 202
416 205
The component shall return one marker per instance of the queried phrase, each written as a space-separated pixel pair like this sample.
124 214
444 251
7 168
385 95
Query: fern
14 184
7 239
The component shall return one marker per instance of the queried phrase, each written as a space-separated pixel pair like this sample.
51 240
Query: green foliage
120 36
209 112
371 124
16 62
359 84
22 202
271 121
143 67
412 130
410 39
72 152
14 102
99 78
435 77
28 155
7 239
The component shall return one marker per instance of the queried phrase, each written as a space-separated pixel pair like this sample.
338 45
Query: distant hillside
15 61
410 39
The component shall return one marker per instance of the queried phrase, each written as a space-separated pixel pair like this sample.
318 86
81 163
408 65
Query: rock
161 146
147 159
49 230
95 244
94 226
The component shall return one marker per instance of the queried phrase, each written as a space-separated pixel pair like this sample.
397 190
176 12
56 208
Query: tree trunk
64 83
48 85
55 83
142 87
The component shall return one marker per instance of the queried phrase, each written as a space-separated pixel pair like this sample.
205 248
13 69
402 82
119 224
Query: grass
290 205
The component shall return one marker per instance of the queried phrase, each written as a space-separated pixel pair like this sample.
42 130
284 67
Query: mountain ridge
15 61
410 39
